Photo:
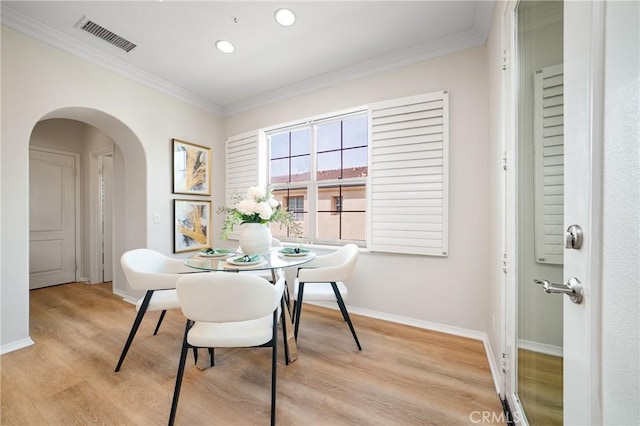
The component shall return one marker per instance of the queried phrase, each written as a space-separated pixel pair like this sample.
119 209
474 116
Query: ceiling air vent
91 27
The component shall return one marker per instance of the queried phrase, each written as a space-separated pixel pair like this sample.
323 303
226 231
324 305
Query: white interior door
579 323
106 213
583 80
52 218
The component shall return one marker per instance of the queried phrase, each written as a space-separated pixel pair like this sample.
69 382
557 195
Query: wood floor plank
540 387
403 375
17 408
80 404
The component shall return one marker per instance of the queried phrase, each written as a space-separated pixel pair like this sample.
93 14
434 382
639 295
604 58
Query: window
295 204
342 212
319 171
337 204
295 198
290 156
377 177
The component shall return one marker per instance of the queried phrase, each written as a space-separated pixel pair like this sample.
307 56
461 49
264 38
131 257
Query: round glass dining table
273 260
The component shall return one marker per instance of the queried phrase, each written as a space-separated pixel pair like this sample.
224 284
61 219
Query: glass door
539 189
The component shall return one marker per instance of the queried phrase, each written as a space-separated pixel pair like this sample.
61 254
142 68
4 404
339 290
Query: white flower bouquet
257 206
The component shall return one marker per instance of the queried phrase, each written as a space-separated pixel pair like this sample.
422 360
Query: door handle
573 288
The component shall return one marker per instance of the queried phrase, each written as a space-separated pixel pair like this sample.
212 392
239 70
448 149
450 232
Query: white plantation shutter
408 194
549 164
243 166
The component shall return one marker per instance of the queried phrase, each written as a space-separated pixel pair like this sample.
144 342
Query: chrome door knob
573 288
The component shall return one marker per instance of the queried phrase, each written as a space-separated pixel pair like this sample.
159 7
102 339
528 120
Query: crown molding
36 29
419 53
422 52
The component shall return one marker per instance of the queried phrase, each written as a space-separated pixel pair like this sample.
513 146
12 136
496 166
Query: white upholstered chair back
221 297
147 269
333 267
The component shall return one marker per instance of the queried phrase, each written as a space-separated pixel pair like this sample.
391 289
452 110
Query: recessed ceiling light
285 17
224 46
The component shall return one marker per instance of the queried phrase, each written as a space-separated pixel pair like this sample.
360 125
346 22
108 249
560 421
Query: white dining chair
156 274
323 279
227 310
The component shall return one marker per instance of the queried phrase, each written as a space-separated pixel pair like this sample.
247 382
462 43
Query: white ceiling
331 42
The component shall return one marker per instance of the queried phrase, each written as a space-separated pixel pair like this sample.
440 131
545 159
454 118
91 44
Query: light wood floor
540 387
403 376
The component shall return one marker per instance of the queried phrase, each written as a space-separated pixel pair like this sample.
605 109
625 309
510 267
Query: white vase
255 238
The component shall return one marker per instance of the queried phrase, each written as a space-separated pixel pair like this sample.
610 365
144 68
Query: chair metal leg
183 358
274 365
345 314
134 327
298 310
211 357
284 332
159 322
176 391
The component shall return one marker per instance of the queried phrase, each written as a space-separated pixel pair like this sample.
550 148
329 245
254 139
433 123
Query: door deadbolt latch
573 237
573 288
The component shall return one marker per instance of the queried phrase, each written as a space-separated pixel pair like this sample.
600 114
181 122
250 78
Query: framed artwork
191 165
192 225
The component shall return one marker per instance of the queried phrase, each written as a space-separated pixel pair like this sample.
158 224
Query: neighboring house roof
351 172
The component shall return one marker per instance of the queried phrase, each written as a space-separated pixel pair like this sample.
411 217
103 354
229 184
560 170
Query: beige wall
40 82
451 290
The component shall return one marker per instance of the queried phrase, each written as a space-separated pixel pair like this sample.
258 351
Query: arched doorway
129 188
58 199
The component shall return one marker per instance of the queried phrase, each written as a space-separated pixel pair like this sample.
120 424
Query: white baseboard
126 297
495 371
14 346
542 348
433 326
